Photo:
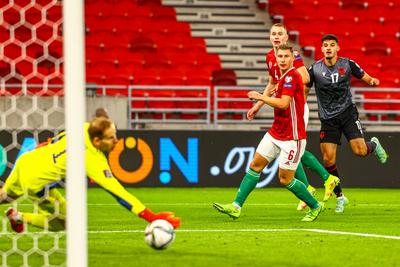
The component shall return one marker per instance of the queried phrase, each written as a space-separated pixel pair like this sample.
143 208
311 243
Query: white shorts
289 152
306 115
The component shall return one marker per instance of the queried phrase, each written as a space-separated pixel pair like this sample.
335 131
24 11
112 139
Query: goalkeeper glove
150 216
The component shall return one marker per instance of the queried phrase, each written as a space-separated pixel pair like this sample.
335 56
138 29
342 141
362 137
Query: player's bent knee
284 180
256 167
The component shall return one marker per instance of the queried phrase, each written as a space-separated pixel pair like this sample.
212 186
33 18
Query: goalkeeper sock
301 175
312 163
247 185
42 221
301 192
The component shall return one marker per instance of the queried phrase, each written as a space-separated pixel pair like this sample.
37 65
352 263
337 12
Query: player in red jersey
279 36
286 139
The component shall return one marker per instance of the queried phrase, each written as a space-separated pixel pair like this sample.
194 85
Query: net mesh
31 111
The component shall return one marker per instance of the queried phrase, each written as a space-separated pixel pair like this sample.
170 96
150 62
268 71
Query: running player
286 139
331 78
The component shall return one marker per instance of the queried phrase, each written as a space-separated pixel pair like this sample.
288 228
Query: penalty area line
259 230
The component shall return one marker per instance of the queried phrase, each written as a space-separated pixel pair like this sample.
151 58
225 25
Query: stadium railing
213 107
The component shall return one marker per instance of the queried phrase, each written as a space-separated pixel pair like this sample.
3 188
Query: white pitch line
247 204
259 230
265 230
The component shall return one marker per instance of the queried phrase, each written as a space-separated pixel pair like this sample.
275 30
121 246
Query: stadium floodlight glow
75 113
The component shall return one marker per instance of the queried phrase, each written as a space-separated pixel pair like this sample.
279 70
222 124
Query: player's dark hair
98 126
285 47
330 37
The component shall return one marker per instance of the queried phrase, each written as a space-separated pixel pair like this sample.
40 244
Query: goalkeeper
36 174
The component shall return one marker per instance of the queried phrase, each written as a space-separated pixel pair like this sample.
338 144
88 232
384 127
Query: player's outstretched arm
129 201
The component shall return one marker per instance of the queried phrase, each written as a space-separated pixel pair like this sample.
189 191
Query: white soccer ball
159 234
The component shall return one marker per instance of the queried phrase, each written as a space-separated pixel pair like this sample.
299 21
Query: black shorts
347 122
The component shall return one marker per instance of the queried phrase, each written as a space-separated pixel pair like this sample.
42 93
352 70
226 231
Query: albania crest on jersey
341 71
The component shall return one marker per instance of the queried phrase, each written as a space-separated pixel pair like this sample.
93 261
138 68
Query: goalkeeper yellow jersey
46 164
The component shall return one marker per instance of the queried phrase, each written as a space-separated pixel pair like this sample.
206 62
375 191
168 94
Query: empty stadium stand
234 29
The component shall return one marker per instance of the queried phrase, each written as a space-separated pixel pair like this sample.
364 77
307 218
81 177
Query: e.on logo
169 158
147 160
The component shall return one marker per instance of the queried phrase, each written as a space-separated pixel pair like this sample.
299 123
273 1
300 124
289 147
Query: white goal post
75 114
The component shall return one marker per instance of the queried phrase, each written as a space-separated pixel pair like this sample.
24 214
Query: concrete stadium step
219 33
205 3
235 29
237 49
230 27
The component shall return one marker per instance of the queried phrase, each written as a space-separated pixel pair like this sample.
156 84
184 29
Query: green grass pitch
269 232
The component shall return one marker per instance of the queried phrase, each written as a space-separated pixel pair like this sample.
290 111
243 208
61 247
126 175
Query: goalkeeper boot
380 152
313 214
302 205
15 219
330 184
228 209
341 202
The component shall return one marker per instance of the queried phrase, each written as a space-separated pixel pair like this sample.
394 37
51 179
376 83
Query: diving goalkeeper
37 173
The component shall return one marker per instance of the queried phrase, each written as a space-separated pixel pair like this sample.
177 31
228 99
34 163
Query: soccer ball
159 234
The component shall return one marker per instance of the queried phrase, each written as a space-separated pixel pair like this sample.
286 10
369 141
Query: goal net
35 106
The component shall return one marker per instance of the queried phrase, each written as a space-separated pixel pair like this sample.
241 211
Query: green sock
247 185
301 175
311 162
300 191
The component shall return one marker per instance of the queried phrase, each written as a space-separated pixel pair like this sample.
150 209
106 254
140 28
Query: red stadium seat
358 5
24 67
147 77
143 45
376 48
163 13
149 2
198 77
11 15
172 77
33 15
224 77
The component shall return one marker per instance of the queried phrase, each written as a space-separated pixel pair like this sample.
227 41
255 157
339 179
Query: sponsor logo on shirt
288 79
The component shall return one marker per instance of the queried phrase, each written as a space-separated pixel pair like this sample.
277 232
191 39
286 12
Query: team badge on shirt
107 174
287 83
341 71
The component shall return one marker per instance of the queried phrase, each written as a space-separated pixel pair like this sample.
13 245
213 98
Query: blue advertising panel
209 158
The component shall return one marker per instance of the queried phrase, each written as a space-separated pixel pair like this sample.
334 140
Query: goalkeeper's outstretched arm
133 204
